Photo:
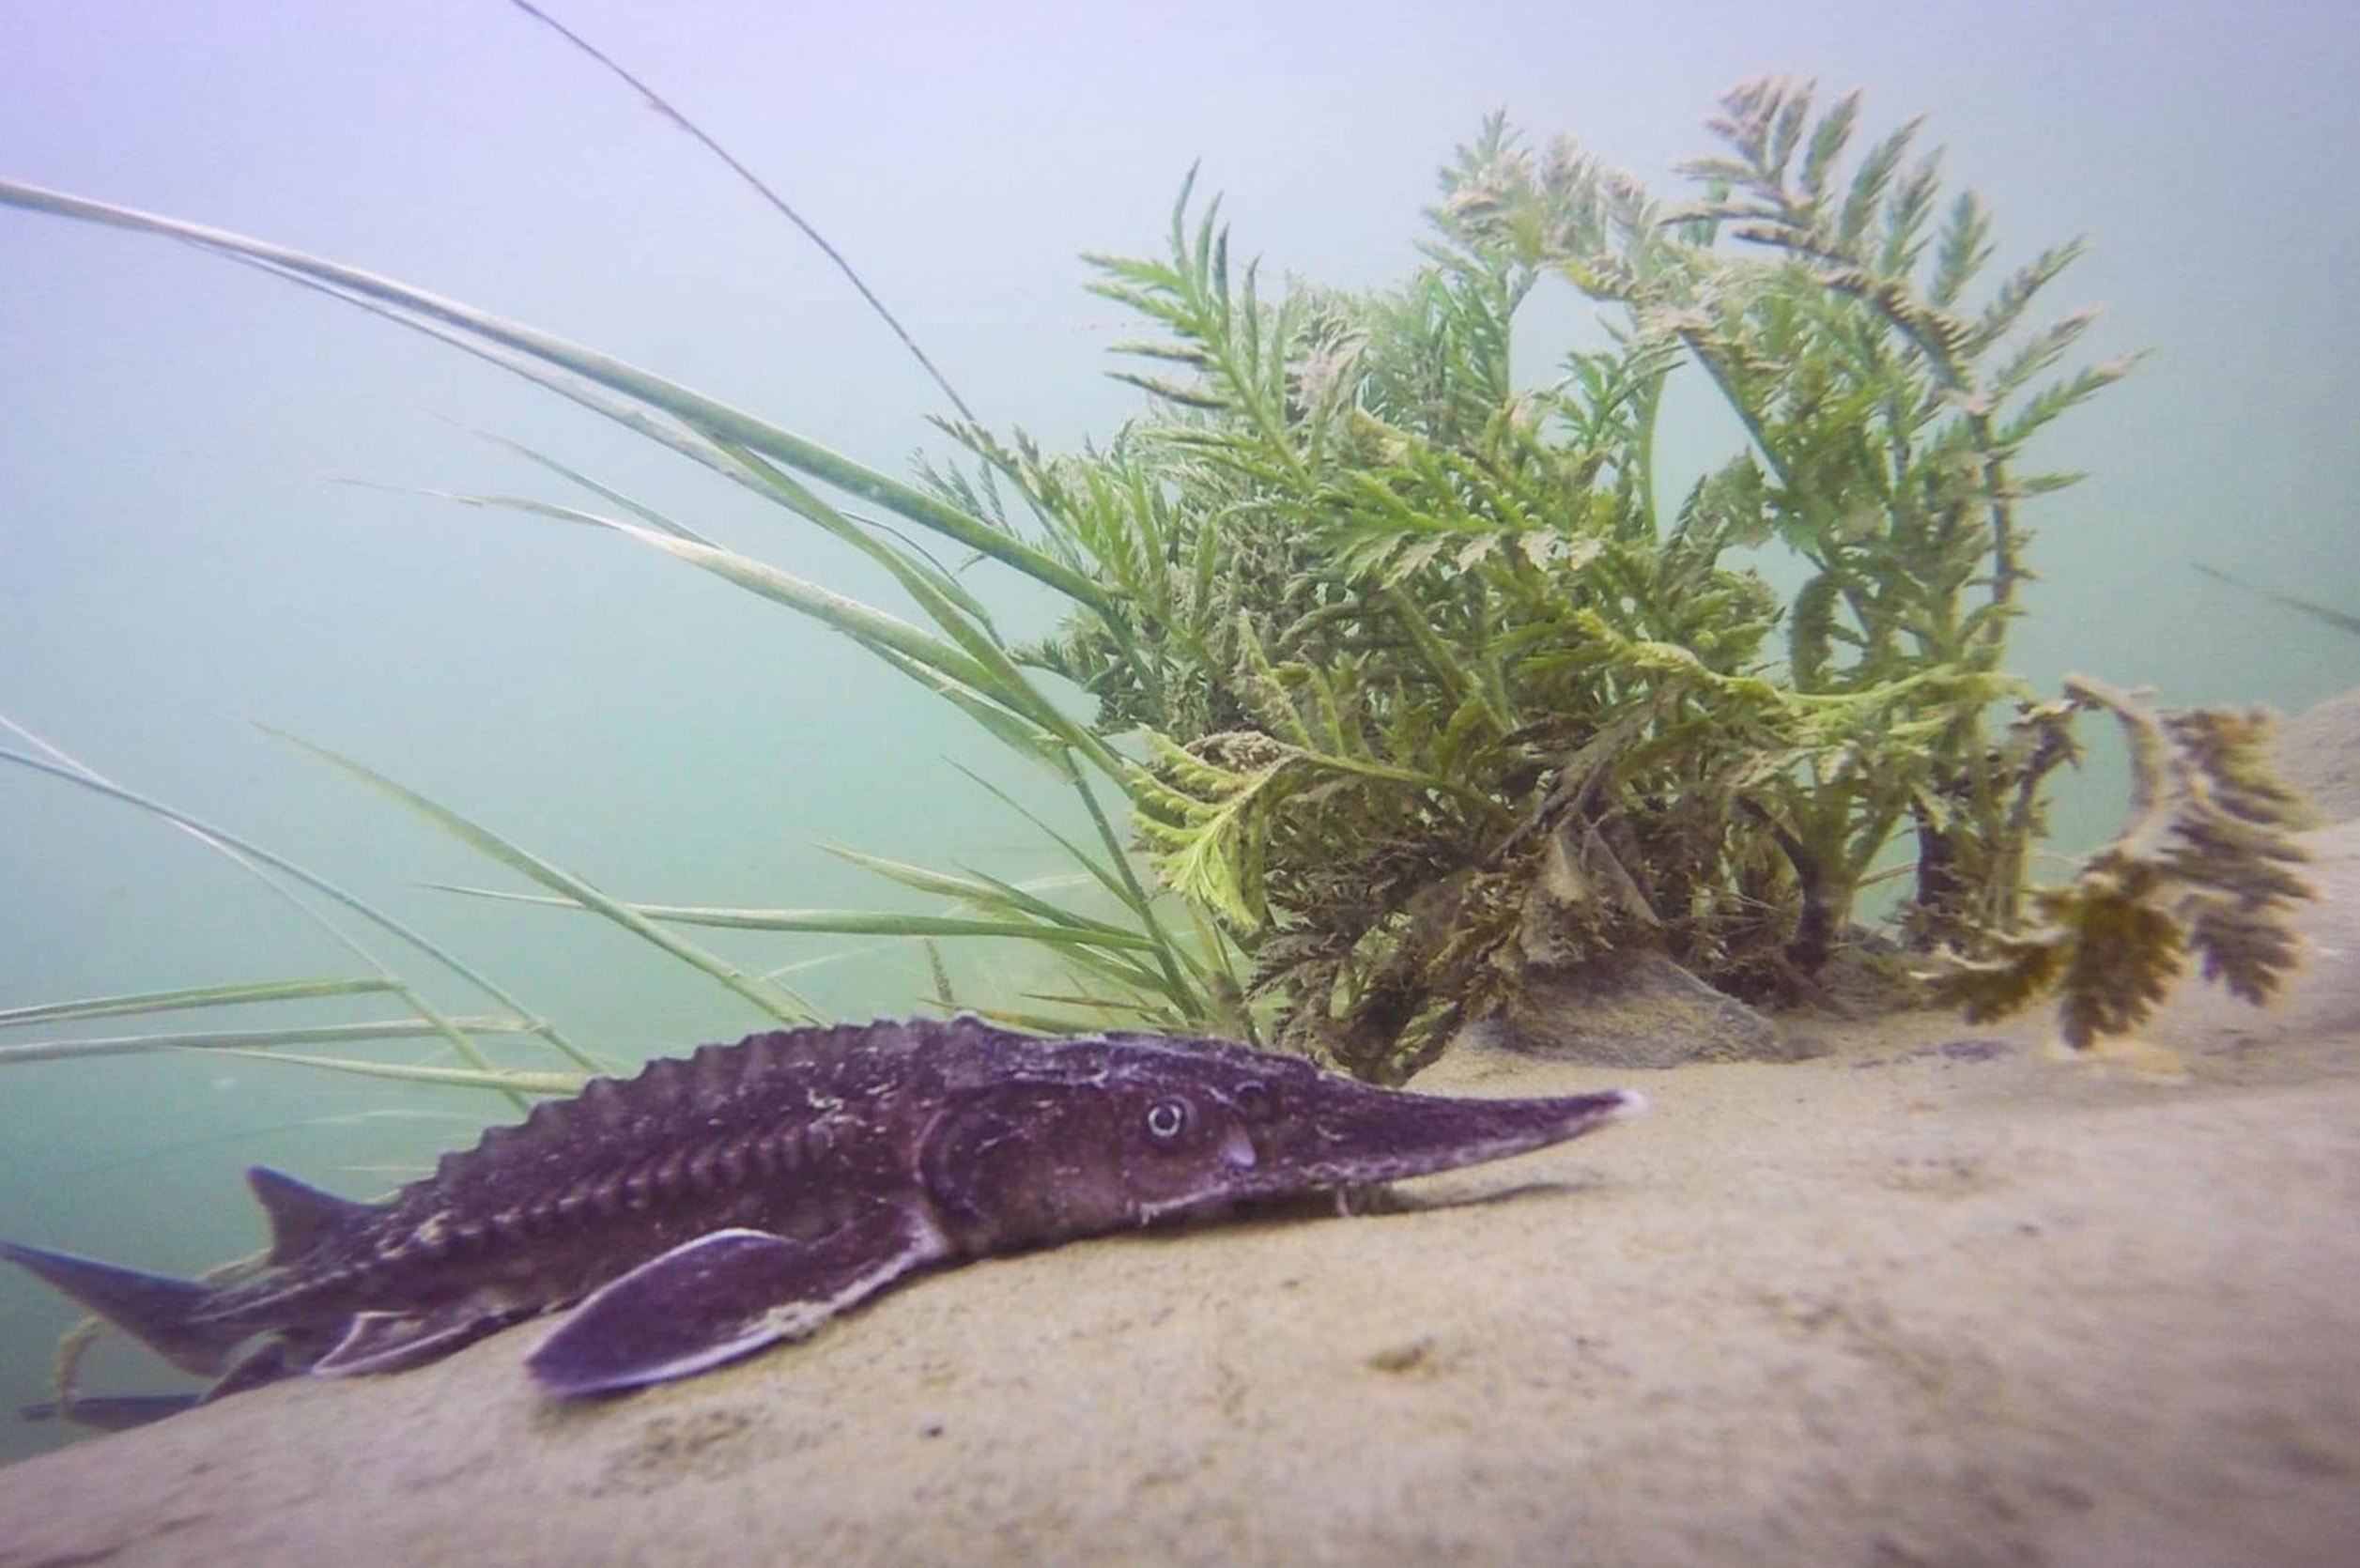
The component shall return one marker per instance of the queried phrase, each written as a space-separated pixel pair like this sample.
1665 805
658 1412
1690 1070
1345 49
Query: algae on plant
2203 866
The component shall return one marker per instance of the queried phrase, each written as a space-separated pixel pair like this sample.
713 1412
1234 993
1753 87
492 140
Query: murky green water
177 557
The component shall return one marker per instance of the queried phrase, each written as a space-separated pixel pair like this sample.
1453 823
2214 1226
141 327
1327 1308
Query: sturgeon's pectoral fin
722 1294
389 1341
264 1363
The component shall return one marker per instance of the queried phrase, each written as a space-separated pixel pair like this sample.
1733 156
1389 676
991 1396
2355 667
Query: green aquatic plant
1433 681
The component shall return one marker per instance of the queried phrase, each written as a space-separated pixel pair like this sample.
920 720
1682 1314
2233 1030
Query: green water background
177 557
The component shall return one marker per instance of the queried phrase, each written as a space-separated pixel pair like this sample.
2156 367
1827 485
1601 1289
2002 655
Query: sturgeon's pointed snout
1343 1131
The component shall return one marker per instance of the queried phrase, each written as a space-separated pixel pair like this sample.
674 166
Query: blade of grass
1098 948
1098 956
1075 999
552 1084
1013 708
82 778
821 960
657 102
871 627
772 999
945 601
1039 1023
713 418
258 1040
1181 990
837 922
417 1000
965 887
1099 873
1020 735
731 461
197 996
573 476
248 1136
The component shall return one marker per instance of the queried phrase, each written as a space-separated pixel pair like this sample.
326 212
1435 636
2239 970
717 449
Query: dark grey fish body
746 1193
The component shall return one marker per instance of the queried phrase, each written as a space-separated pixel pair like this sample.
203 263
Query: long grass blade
195 996
1102 947
1041 1023
257 1040
1099 873
656 101
1020 735
769 997
871 627
717 420
247 1137
966 887
574 476
270 879
84 778
945 601
457 1078
838 922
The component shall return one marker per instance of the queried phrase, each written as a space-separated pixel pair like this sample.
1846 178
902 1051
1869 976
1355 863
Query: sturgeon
747 1194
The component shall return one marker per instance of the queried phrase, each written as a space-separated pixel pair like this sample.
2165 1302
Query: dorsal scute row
784 1073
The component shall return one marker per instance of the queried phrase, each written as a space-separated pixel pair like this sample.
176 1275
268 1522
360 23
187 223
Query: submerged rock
1633 1010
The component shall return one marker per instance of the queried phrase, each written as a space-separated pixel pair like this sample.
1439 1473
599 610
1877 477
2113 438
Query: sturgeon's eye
1166 1120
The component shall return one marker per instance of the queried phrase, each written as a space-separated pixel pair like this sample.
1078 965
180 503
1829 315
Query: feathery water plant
1434 681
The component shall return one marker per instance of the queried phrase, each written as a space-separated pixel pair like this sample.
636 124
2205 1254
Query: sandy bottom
1912 1302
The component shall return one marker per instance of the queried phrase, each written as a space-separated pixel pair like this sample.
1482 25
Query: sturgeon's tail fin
162 1313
